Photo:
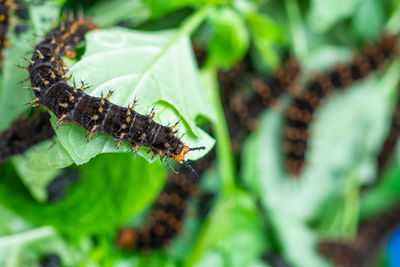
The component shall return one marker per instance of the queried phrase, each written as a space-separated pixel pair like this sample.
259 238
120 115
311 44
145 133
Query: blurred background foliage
257 210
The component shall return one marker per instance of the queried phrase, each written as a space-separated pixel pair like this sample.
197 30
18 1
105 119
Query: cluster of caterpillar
165 220
23 134
299 115
267 91
241 112
363 250
72 104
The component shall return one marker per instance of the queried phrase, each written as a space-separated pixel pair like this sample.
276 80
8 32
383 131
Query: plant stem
226 169
393 25
21 238
218 219
296 27
191 24
218 216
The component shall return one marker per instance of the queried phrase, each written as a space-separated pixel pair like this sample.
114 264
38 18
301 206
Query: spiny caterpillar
230 80
362 252
72 104
5 7
299 115
23 134
165 220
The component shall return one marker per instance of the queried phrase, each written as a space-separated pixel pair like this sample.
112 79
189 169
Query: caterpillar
72 104
24 133
22 13
300 113
164 222
266 92
5 17
364 249
165 219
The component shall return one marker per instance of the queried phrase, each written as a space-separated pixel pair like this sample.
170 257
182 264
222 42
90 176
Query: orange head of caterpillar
91 25
180 157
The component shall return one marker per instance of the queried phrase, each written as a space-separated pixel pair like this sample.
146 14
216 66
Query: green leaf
230 38
247 6
324 14
369 9
20 239
13 96
108 13
266 33
322 58
154 259
39 165
10 222
386 193
263 27
155 68
235 236
160 8
290 234
111 188
27 247
340 216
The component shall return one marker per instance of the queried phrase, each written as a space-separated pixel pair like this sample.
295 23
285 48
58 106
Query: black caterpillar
165 219
23 134
267 91
299 115
72 104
